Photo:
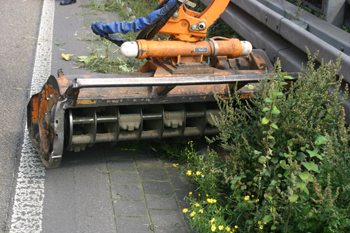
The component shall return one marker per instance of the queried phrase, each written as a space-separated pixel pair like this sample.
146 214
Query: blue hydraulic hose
104 29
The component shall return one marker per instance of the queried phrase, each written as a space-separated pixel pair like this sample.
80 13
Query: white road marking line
29 194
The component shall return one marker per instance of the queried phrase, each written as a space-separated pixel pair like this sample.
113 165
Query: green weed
288 159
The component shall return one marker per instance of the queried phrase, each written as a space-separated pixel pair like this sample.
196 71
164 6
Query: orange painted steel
179 27
226 47
45 105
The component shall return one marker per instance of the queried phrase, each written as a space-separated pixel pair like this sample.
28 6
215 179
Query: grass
104 55
140 8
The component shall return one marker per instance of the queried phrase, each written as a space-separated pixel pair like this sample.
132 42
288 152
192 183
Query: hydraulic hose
104 30
144 32
162 22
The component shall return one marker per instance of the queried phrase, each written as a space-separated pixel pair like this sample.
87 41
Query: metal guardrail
271 25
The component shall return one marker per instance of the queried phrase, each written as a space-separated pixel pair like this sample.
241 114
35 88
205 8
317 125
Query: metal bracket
189 3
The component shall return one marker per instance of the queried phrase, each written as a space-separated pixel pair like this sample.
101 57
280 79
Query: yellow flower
236 226
199 194
252 195
189 172
212 220
190 193
210 200
185 210
257 200
193 213
175 164
198 173
261 227
221 228
201 211
196 205
213 228
227 228
259 222
207 195
246 198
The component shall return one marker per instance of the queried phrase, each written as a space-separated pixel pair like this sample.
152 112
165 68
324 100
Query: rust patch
245 96
35 109
63 81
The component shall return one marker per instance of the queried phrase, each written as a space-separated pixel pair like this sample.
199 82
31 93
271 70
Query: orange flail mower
172 95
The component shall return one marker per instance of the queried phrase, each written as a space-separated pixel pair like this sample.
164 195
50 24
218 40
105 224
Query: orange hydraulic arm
187 43
187 25
188 30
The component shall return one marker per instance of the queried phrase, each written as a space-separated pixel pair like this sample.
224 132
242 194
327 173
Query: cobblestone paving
146 193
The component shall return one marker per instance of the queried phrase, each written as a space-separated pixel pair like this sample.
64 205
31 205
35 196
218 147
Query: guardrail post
334 11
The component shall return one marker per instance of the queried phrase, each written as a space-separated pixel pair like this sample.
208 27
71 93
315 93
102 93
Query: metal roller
114 124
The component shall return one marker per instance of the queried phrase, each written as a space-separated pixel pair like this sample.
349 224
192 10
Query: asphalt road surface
19 21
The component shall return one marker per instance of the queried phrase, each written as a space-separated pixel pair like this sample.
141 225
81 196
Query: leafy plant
289 158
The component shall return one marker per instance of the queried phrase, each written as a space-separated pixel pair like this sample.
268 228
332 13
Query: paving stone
126 192
133 225
169 230
121 165
168 163
156 187
124 178
146 161
164 202
115 154
181 194
147 173
129 208
167 218
173 171
179 183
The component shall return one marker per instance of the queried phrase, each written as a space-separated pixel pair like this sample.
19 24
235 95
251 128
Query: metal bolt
193 27
202 26
176 15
